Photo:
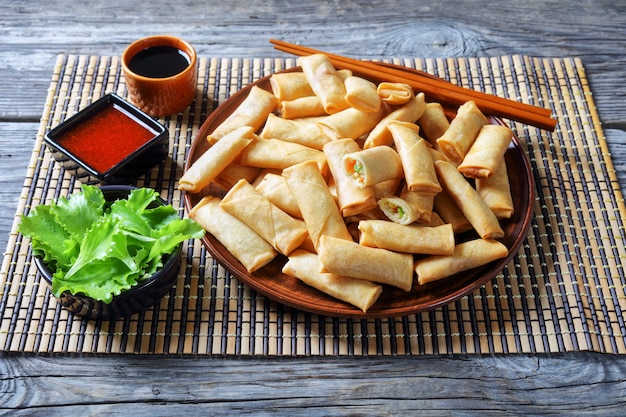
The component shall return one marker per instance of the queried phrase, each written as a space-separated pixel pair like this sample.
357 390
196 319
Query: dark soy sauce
159 62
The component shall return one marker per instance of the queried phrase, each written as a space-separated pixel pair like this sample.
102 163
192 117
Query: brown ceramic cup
161 95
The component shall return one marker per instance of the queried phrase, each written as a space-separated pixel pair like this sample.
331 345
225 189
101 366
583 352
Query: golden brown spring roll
367 167
417 162
215 159
348 258
274 187
496 191
241 241
409 112
306 267
469 201
252 112
324 81
349 123
294 131
351 199
290 86
395 94
464 128
298 108
449 211
409 207
487 152
278 154
234 172
317 205
361 94
433 122
466 256
278 228
407 239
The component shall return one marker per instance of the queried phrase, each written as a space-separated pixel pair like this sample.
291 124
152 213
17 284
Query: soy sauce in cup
159 62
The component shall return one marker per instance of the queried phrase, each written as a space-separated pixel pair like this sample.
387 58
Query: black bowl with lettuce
108 251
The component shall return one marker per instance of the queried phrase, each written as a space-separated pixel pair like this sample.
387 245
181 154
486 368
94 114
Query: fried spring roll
351 199
449 211
487 152
362 94
409 207
496 191
409 112
358 292
317 205
461 134
469 201
348 258
367 167
324 81
417 162
278 154
290 86
395 94
294 131
433 122
298 108
241 241
349 123
278 228
215 159
425 240
466 256
274 187
252 112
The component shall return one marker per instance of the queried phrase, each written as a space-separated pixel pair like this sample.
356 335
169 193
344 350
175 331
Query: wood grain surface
33 33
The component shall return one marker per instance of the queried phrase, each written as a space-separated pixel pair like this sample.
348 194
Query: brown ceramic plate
271 282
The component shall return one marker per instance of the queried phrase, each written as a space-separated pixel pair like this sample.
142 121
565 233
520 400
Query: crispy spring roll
467 255
278 154
278 228
215 159
349 123
252 112
395 94
290 86
425 240
417 162
306 267
469 201
367 167
496 191
274 187
461 134
301 132
487 152
317 205
361 94
348 258
433 122
449 211
409 112
351 199
324 81
234 172
298 108
241 241
409 207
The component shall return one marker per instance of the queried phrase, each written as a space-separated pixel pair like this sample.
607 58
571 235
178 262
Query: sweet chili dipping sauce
106 138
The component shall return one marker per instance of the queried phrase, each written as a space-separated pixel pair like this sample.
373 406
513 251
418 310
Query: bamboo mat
564 291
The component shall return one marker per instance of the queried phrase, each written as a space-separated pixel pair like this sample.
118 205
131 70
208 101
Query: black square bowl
109 142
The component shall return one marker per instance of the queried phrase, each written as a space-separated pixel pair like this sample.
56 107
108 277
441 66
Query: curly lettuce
100 249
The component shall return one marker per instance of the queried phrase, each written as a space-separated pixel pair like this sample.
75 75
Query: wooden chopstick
435 88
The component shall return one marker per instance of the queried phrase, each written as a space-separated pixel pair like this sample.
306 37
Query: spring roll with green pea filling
241 241
368 167
466 256
306 266
409 207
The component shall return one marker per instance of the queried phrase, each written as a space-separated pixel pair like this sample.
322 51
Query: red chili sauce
106 138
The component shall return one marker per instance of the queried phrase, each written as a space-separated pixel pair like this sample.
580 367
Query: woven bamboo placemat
564 290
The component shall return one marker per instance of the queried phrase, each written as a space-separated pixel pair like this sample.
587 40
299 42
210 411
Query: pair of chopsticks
435 88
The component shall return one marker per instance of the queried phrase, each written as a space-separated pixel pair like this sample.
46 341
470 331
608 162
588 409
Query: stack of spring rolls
359 186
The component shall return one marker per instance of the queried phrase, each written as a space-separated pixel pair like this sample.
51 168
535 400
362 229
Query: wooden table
33 33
